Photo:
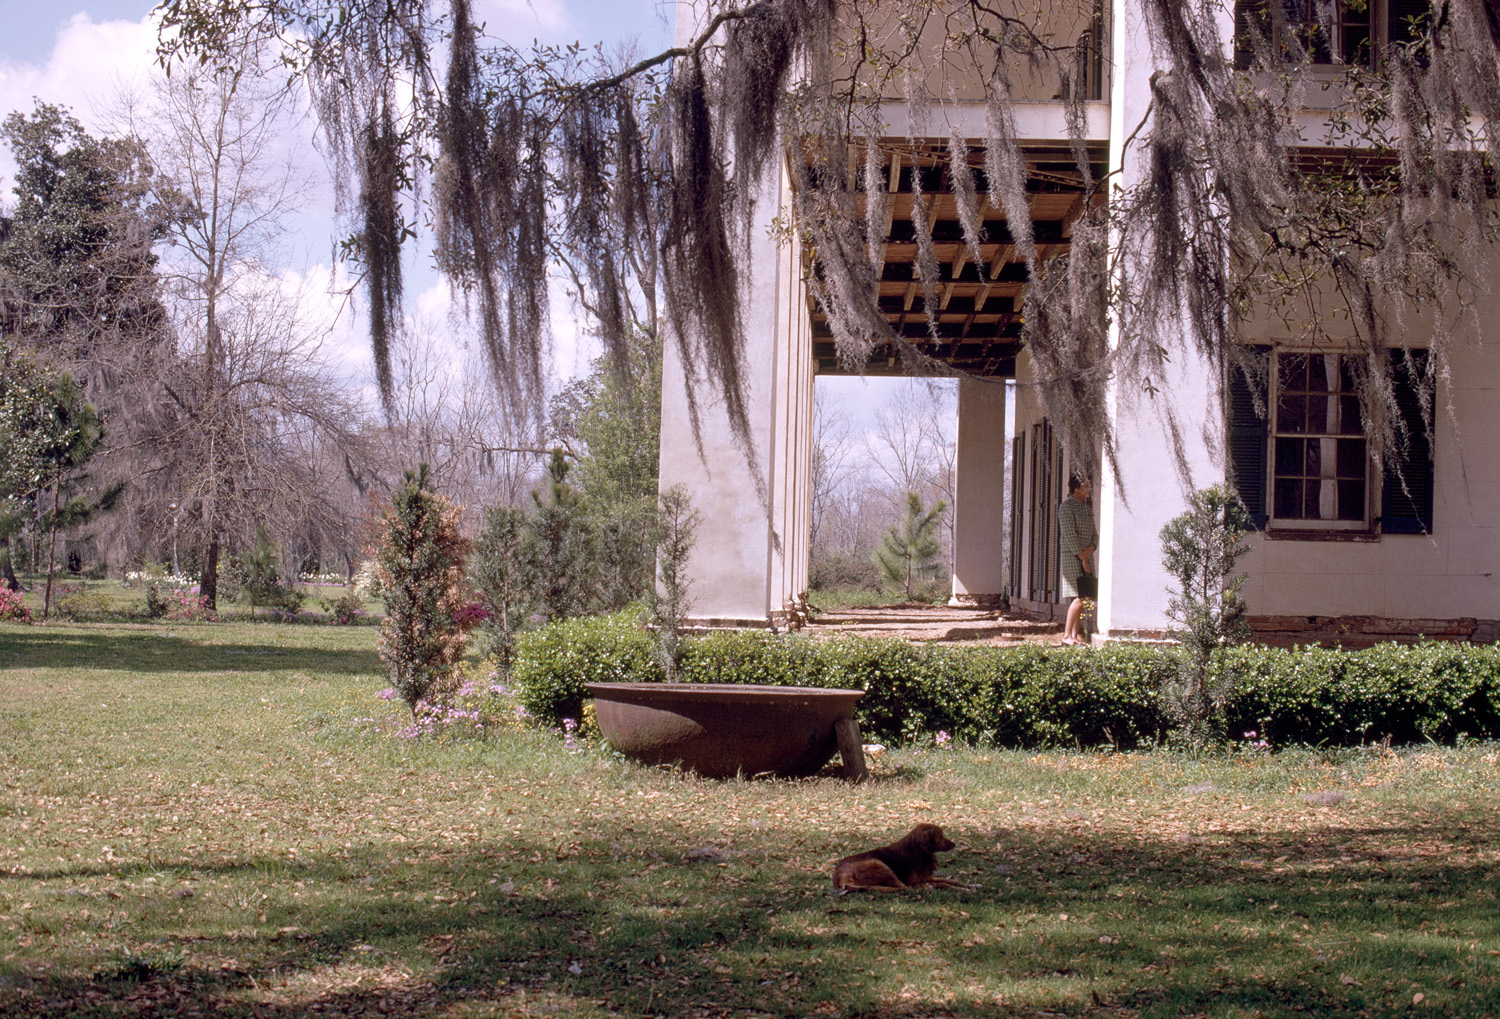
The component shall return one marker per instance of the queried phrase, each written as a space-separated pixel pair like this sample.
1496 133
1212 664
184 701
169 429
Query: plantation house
1344 549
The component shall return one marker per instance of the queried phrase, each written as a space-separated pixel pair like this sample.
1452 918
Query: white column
979 494
1132 582
749 563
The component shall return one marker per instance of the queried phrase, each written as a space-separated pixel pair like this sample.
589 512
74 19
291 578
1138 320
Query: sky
85 54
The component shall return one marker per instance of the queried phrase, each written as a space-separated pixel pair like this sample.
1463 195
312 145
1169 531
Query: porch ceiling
979 320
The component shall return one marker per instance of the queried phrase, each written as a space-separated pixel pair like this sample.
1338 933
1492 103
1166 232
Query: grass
112 601
202 819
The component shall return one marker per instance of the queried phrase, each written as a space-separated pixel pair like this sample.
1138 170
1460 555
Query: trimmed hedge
1038 696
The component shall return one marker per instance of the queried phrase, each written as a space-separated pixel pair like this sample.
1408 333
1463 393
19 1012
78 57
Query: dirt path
939 623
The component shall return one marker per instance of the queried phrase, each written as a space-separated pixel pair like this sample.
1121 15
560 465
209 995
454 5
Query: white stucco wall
1453 573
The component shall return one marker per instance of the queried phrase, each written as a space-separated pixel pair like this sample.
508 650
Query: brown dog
908 862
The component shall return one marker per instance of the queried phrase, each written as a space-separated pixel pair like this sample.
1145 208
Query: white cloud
89 64
516 21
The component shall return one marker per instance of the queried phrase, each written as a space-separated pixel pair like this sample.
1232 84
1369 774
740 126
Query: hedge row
1030 696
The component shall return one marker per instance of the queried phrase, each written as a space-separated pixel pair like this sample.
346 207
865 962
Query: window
1336 32
1319 464
1300 460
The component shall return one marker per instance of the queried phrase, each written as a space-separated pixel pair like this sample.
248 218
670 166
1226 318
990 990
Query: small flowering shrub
188 606
471 615
156 600
345 610
76 601
12 607
367 580
481 708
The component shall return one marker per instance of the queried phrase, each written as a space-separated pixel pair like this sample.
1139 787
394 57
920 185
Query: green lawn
218 819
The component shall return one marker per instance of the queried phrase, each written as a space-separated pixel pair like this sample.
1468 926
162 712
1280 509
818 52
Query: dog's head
931 838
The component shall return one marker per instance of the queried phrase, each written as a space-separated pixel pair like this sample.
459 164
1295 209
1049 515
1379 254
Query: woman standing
1077 539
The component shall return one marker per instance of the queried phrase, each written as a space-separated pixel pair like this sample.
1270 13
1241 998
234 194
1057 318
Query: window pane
1312 500
1357 44
1291 415
1347 382
1317 415
1349 422
1351 500
1351 454
1289 456
1317 374
1313 465
1293 372
1288 498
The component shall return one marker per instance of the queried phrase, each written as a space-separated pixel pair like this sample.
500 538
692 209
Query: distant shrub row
1034 696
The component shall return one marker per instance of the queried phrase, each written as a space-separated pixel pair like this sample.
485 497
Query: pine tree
912 546
557 544
1201 548
499 573
676 532
421 561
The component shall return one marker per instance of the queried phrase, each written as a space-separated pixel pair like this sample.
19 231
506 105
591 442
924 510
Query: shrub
498 570
75 601
346 609
676 532
188 606
553 665
12 607
834 570
1035 696
422 572
263 581
156 601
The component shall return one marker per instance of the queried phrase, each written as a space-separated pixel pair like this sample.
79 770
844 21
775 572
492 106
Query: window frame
1365 522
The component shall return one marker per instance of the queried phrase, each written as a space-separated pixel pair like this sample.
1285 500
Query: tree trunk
52 546
7 567
208 580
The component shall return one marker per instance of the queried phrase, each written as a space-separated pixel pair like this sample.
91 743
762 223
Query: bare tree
251 380
831 463
939 401
444 415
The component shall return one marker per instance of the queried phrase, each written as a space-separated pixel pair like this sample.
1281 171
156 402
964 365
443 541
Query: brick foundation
1366 631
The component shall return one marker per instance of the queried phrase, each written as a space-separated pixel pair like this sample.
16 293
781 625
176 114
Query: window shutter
1250 19
1247 435
1407 509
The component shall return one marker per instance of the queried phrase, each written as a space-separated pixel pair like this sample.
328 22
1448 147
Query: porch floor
939 624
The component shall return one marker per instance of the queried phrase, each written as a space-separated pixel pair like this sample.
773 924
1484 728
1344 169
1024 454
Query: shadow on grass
164 649
1332 921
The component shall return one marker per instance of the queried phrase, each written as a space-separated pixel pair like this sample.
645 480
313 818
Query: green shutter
1250 19
1407 508
1246 435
